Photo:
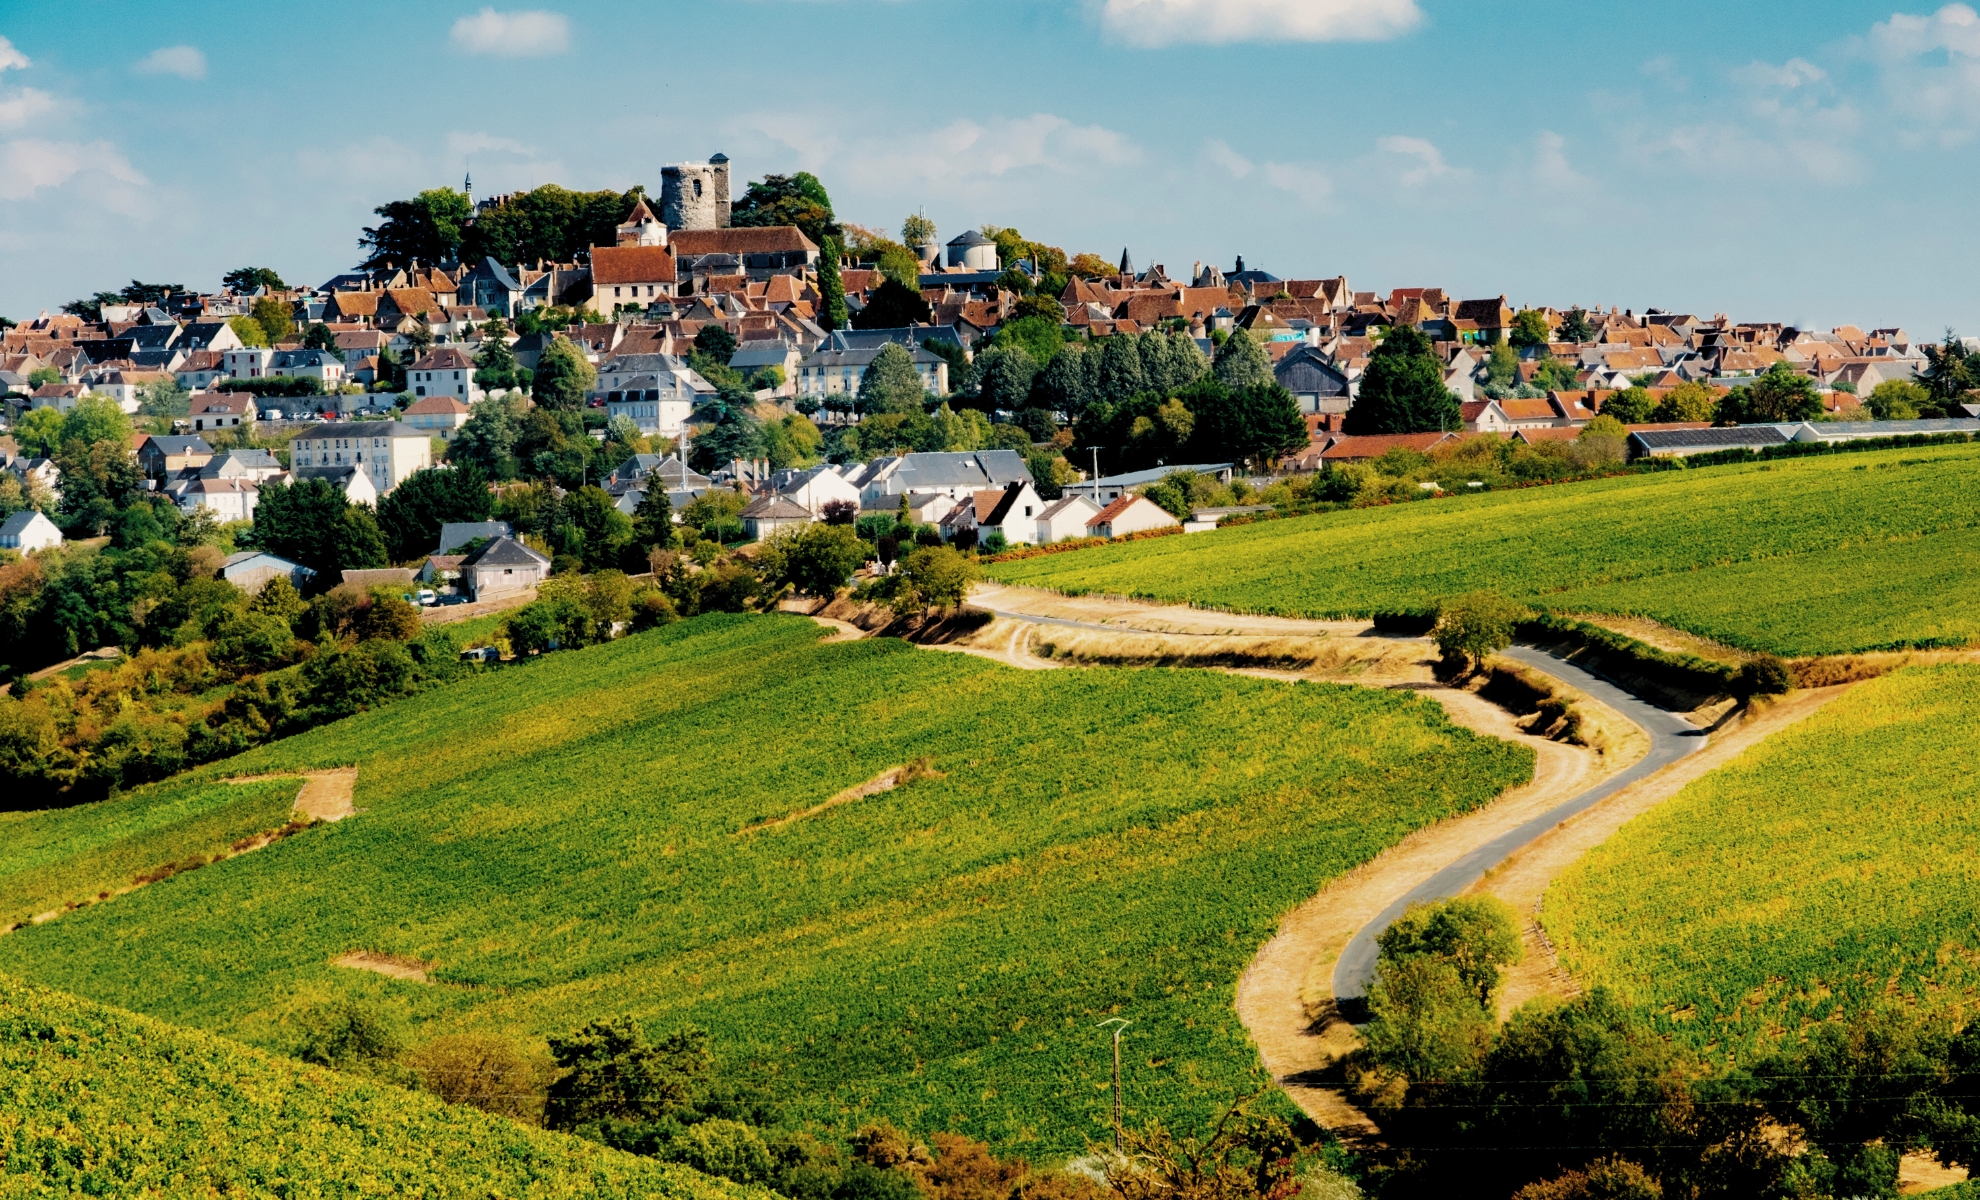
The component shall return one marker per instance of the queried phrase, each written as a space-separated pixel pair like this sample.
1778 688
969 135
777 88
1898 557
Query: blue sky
1809 162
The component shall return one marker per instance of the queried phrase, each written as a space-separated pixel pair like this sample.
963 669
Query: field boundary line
885 781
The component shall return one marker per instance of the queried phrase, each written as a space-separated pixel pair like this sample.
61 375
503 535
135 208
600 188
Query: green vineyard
1830 869
1810 556
99 1102
572 839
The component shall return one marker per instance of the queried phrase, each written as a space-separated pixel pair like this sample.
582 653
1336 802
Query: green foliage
1402 389
832 312
246 279
108 1102
1950 372
550 222
275 318
1004 376
613 1073
1241 362
716 342
1119 373
39 432
496 367
312 523
1762 561
933 577
1630 406
1529 329
426 229
799 200
565 838
563 376
892 305
1556 375
890 383
1040 337
410 516
1475 935
1575 327
1897 400
816 559
1064 386
1781 394
1688 401
488 439
1256 424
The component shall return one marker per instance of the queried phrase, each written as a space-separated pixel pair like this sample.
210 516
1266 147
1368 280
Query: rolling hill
1825 555
589 834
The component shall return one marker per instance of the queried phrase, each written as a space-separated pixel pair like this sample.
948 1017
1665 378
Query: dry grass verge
392 965
886 781
1345 657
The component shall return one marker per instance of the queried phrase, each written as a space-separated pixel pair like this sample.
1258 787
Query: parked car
427 597
484 654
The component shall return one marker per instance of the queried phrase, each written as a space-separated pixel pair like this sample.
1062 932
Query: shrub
933 577
1762 675
1475 934
613 1073
485 1072
729 1149
348 1036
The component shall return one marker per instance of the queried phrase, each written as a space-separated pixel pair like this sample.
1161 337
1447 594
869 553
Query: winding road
1671 738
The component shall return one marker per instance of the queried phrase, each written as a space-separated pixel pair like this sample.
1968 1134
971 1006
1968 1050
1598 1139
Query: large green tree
551 223
1782 394
1949 370
831 287
246 279
1241 361
890 383
410 515
1402 389
1062 386
798 200
426 228
1256 424
1120 374
1004 375
891 306
1529 329
311 522
563 376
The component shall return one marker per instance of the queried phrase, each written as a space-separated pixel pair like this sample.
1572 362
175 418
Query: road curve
1671 738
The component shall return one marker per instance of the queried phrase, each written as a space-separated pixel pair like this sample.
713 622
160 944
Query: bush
817 560
933 577
729 1149
485 1072
1475 934
613 1073
348 1036
1763 675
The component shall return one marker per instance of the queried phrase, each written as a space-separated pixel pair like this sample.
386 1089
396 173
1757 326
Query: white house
1064 518
226 499
387 451
247 362
766 515
501 566
816 488
954 474
350 479
28 532
223 410
1129 514
324 365
658 391
833 372
437 414
1015 515
444 371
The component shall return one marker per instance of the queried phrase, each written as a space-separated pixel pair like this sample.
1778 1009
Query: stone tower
695 195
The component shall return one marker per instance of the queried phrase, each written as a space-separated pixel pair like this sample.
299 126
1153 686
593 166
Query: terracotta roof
436 405
774 239
631 264
354 304
445 358
1120 505
223 402
1375 445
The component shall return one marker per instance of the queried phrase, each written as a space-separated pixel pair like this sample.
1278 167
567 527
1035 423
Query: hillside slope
1830 869
567 840
95 1101
1824 555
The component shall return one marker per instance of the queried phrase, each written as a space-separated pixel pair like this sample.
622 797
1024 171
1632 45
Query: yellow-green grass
562 839
74 855
1827 555
95 1101
1832 868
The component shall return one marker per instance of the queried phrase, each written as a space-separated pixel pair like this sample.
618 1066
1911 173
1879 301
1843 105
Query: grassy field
77 854
1813 556
565 839
99 1102
1831 868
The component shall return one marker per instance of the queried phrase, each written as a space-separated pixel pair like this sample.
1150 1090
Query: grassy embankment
566 840
1829 870
95 1101
1799 557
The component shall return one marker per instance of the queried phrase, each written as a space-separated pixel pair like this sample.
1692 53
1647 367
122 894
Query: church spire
467 185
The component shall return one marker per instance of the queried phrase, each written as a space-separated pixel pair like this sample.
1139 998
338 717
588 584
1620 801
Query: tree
1259 423
1779 395
410 515
917 231
1689 401
425 229
1062 386
1949 371
816 559
1241 362
310 522
1402 389
653 516
1501 365
274 317
1004 375
831 287
1475 625
242 280
39 432
933 577
716 342
1477 935
563 376
613 1073
799 200
891 306
1631 406
496 367
550 222
1529 329
1121 375
248 330
1040 337
1575 328
1897 400
319 337
592 528
890 383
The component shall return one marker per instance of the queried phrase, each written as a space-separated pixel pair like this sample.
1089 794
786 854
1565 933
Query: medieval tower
695 195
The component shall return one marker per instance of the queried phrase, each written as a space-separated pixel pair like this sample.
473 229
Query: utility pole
1119 1024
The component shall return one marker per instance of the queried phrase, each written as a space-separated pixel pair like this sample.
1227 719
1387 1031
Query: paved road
1671 738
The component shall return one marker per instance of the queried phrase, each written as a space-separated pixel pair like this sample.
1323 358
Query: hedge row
1908 441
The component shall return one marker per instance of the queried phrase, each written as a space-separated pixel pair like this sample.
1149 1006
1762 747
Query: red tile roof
631 264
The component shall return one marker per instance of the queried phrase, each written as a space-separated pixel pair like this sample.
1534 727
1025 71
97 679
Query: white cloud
1551 168
1955 28
187 62
522 34
1794 73
10 57
22 106
461 143
1944 99
1220 154
1309 183
1217 22
1429 161
966 149
28 165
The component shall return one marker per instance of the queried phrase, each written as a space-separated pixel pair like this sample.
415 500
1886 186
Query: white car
427 597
